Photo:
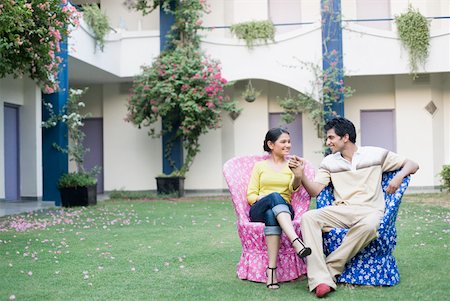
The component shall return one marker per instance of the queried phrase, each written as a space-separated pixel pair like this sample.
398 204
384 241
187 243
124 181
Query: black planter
170 185
78 196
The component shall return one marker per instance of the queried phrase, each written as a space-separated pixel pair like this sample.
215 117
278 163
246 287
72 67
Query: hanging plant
250 93
254 31
414 32
98 23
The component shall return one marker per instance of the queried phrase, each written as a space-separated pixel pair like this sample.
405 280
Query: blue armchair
374 265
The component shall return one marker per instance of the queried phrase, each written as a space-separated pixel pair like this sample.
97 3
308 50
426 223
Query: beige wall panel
206 170
446 110
31 141
438 125
414 127
132 159
11 90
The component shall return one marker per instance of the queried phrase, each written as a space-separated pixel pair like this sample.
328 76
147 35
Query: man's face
334 142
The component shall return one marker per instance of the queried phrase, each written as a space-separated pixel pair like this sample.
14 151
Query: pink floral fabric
254 260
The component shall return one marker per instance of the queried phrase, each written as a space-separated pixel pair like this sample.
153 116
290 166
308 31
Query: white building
389 108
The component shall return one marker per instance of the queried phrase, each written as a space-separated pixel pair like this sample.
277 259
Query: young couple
359 204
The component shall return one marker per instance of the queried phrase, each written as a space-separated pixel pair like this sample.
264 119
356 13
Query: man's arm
408 168
298 166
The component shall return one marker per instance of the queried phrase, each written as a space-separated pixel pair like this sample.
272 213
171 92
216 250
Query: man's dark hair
342 126
272 136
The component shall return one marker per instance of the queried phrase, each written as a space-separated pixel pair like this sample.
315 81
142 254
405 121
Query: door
11 149
93 129
294 128
378 129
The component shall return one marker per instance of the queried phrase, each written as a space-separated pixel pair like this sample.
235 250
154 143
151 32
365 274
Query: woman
269 194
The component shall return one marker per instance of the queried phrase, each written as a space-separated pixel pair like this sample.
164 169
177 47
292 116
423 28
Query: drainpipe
332 49
166 20
54 162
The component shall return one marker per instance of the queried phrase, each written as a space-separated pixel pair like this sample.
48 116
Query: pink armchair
253 262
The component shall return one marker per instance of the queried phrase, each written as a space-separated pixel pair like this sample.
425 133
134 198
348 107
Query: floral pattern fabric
254 259
374 265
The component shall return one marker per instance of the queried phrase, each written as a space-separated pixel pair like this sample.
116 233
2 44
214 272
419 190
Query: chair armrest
325 197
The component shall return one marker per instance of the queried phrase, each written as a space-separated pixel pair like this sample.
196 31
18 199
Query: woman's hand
297 166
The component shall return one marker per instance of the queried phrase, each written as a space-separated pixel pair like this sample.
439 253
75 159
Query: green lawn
188 250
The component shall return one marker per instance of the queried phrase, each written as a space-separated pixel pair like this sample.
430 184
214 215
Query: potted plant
250 94
183 90
77 188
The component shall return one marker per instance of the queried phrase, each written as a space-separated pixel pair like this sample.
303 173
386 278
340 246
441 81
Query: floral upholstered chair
253 262
374 265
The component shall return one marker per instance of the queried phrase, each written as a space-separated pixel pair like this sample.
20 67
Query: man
359 204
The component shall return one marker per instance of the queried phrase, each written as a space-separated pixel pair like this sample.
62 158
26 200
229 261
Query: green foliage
445 177
76 179
183 87
30 33
414 32
72 116
254 31
97 21
326 86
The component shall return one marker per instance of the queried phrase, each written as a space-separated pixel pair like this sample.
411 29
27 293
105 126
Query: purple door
378 129
11 148
93 129
294 128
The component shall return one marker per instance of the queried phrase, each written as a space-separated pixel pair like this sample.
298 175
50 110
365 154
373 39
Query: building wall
132 159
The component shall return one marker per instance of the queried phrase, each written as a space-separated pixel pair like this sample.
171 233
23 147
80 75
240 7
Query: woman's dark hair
342 126
272 136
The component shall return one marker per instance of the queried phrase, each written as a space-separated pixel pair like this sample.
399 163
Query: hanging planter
414 32
250 94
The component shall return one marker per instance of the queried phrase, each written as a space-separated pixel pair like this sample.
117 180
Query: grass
188 250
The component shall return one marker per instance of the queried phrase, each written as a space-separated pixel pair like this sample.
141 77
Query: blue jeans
266 210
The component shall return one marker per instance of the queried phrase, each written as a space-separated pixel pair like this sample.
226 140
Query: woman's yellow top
265 180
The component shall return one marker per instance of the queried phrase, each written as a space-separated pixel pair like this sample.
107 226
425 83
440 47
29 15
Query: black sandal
303 252
273 285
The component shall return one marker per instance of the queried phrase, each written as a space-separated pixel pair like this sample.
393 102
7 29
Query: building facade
388 107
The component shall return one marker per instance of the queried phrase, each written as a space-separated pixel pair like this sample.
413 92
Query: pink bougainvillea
30 34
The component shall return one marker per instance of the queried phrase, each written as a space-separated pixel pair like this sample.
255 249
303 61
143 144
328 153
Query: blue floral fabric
374 265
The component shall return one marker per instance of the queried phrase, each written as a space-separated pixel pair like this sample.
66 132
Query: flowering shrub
72 117
30 32
185 88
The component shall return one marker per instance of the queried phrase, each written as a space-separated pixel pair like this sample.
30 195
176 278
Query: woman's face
282 146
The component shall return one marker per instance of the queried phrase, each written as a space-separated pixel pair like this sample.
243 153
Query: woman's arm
297 165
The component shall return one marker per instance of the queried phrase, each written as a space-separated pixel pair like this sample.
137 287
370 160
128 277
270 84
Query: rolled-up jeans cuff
272 230
280 208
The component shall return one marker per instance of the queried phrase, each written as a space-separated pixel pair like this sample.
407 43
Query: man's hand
394 184
297 166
